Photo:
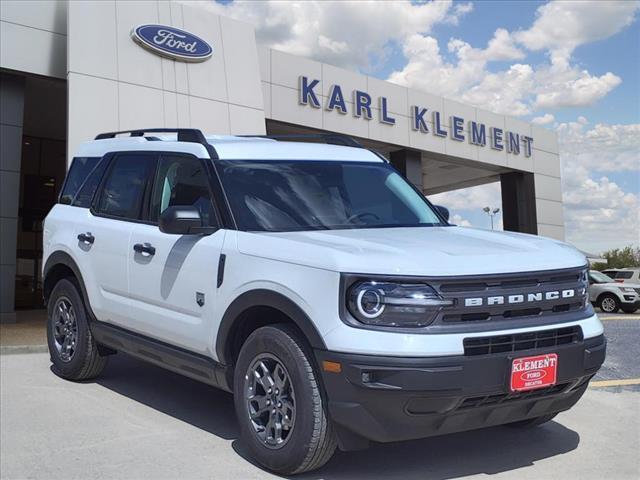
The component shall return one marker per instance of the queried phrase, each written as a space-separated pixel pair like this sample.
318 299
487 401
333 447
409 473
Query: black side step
178 360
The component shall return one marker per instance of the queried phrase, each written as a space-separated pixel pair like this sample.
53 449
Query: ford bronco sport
316 284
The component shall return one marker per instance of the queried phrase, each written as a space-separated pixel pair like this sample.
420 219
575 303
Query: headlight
394 304
627 290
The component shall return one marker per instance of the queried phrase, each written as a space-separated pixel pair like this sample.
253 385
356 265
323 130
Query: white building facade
71 70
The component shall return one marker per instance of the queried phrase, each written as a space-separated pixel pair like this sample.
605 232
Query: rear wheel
281 411
73 351
533 422
609 303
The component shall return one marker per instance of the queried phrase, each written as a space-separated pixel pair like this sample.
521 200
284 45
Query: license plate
530 373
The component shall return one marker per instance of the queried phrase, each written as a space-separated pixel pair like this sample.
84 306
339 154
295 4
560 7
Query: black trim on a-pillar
409 164
519 202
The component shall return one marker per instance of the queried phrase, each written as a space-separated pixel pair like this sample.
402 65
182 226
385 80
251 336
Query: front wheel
72 348
281 411
609 303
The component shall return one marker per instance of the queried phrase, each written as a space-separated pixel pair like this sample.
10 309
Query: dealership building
71 70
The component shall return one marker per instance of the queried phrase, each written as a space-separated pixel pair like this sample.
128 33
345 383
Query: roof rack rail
329 138
184 134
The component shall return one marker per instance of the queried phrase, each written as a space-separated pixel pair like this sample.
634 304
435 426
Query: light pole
491 212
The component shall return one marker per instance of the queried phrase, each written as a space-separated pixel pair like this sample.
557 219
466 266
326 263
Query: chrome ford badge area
172 43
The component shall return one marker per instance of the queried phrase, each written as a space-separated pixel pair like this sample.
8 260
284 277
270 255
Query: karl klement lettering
477 133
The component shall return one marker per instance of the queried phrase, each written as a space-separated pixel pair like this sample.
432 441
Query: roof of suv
229 147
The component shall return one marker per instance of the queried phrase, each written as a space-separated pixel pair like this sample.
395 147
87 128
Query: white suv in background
316 284
611 296
624 275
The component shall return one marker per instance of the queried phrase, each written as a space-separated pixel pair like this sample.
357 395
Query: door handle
144 248
86 238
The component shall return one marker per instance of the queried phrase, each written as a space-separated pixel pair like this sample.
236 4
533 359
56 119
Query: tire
309 441
73 351
609 303
629 309
533 422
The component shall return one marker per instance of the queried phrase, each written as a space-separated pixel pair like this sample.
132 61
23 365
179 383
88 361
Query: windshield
277 196
599 277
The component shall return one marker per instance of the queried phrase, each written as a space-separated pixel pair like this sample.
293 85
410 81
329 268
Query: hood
429 251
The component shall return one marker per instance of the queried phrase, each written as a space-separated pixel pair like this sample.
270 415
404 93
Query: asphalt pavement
139 421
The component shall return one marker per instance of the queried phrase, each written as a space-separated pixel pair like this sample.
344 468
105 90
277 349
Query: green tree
620 258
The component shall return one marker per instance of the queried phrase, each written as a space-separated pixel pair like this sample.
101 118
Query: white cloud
459 221
602 148
521 88
599 213
469 202
346 34
545 119
570 87
561 26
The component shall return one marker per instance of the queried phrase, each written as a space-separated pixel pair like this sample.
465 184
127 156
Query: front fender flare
264 298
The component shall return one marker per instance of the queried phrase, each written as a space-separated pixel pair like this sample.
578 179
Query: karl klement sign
478 133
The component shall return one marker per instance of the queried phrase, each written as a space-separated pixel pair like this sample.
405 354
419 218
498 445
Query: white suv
316 284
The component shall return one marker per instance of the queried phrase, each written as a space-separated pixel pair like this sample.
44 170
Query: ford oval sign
172 43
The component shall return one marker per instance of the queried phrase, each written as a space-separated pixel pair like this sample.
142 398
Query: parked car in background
624 275
611 296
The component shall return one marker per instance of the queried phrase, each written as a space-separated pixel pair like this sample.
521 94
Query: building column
519 202
11 118
409 163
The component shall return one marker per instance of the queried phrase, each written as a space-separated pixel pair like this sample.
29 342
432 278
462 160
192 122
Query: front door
172 278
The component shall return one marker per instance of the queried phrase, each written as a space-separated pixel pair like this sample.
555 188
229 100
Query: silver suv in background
611 296
624 275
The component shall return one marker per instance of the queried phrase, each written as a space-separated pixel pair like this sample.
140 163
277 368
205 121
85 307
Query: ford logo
172 43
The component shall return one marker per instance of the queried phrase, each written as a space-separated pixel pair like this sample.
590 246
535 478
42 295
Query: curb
16 349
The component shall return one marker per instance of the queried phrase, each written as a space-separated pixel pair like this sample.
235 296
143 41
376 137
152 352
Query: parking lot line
619 317
615 383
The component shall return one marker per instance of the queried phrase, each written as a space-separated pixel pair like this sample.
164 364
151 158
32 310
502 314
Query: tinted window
624 275
84 197
181 180
276 195
123 191
80 169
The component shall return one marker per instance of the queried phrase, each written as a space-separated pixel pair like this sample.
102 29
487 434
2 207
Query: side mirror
443 211
183 220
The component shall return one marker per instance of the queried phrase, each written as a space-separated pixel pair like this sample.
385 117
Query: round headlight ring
367 297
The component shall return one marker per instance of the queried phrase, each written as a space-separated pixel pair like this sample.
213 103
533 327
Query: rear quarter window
624 275
81 169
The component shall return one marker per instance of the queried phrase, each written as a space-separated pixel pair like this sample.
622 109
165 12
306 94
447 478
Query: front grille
491 296
521 341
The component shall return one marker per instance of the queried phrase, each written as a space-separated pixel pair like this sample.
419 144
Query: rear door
172 284
104 235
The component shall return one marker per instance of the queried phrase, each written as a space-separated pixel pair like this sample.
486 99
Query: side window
624 275
80 169
88 189
181 180
123 190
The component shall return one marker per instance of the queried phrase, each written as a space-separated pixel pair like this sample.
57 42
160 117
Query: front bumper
388 399
630 302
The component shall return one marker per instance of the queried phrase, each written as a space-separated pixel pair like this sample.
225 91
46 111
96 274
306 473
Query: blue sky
573 67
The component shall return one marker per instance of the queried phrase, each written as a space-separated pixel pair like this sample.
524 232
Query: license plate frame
533 372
